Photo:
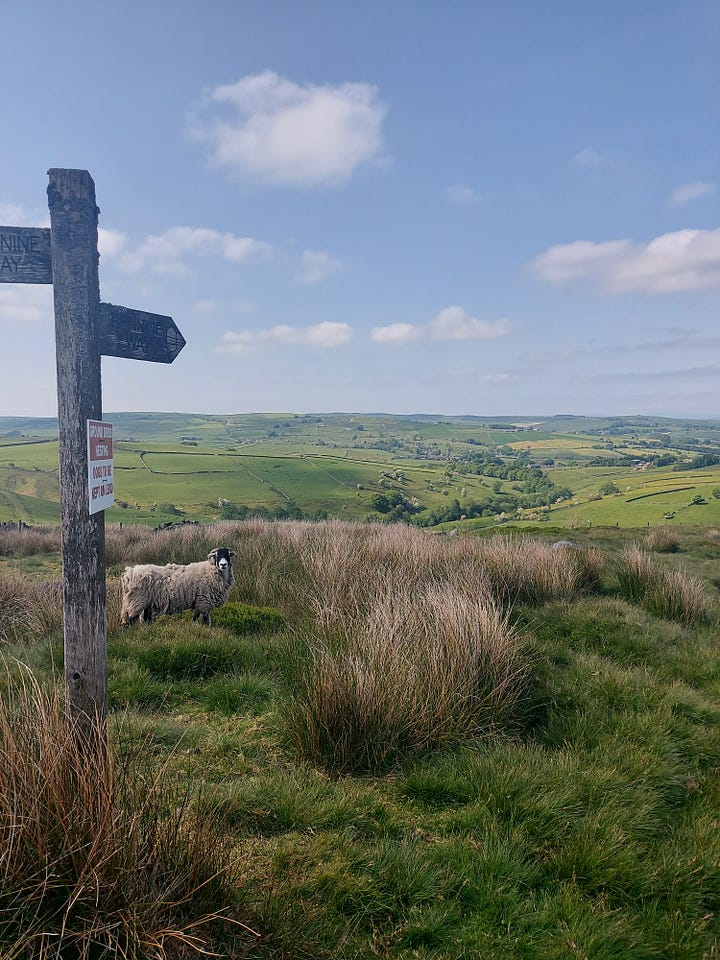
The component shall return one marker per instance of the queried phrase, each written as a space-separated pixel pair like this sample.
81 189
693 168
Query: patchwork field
632 472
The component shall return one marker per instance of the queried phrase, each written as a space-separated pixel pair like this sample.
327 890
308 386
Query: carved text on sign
25 255
138 335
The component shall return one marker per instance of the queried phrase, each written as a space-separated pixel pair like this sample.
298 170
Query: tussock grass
661 540
408 641
671 594
523 570
282 564
137 544
29 541
417 672
97 860
29 609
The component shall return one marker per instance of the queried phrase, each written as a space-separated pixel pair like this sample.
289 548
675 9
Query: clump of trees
697 463
395 506
290 511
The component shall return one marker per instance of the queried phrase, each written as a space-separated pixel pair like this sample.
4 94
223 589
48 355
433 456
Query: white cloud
674 262
324 335
498 377
316 265
11 215
270 129
397 333
111 243
463 196
14 215
691 191
25 303
167 253
206 306
452 323
590 158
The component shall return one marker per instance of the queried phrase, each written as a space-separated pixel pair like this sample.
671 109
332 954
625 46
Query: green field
170 466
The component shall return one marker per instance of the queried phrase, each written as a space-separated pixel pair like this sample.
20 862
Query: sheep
149 589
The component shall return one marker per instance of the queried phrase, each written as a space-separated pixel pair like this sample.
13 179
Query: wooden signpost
66 255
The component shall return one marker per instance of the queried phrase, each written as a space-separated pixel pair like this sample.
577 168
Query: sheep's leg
147 615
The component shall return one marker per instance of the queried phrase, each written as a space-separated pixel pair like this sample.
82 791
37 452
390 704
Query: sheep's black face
222 558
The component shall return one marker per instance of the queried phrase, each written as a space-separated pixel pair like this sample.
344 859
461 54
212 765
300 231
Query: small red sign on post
100 465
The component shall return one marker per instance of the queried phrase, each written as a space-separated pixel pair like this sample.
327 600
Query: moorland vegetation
390 742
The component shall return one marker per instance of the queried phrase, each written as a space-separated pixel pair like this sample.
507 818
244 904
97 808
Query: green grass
586 828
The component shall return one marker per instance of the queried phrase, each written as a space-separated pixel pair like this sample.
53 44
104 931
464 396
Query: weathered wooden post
66 255
73 226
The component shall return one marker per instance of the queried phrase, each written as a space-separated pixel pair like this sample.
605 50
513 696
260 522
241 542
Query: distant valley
425 469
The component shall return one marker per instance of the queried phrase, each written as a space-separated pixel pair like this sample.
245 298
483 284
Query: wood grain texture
73 217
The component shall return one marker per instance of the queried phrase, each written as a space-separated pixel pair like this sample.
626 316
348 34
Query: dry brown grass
96 861
523 570
29 541
415 671
30 609
670 594
661 540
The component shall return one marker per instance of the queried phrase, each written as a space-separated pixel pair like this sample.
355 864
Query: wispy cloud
590 158
668 376
322 335
452 323
685 341
11 215
674 262
25 304
211 305
498 377
169 252
316 265
268 128
461 195
111 243
691 191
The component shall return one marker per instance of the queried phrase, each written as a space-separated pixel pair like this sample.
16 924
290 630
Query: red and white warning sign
100 465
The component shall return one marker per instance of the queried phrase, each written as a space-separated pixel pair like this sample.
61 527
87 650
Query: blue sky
484 208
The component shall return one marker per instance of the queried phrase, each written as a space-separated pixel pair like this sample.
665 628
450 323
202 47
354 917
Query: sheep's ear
231 553
212 556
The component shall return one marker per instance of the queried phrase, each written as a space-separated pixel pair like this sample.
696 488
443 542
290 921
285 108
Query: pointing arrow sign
138 335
